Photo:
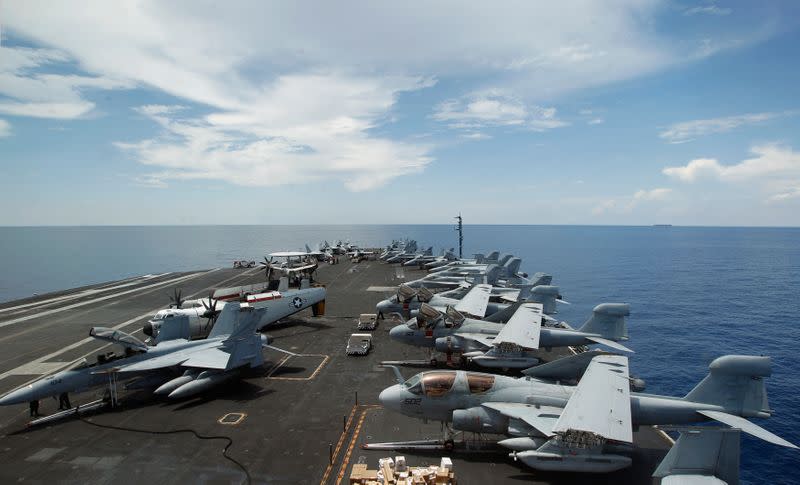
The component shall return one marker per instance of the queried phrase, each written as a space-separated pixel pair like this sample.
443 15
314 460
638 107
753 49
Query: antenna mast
460 229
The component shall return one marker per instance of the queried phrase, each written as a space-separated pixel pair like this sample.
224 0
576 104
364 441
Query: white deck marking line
99 299
88 292
382 289
23 367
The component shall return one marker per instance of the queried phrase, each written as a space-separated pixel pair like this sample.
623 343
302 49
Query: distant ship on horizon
662 225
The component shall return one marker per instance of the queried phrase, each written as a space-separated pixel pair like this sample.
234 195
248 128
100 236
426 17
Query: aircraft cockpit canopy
454 316
405 293
437 383
427 315
432 384
479 383
117 337
414 385
424 295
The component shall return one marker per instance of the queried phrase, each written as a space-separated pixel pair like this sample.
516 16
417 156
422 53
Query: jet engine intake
449 344
479 420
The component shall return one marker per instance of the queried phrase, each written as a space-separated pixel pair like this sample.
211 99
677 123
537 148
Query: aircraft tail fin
546 295
608 321
569 368
493 256
283 284
512 266
541 279
504 314
736 383
226 321
493 273
236 321
703 452
479 258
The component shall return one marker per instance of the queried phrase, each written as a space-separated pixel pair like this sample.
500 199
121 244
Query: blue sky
574 112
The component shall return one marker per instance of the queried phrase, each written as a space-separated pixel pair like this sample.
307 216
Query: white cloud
769 161
5 128
298 131
773 169
707 10
32 91
626 204
303 86
596 121
494 109
476 136
689 130
788 194
654 194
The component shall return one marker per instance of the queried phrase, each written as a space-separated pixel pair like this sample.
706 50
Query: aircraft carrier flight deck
300 419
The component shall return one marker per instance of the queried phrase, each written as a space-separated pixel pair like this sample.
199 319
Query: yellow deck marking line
232 423
276 366
338 446
313 374
346 459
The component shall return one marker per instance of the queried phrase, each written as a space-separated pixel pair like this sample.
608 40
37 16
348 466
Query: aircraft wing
542 418
203 357
475 301
213 358
523 328
601 403
298 268
746 426
481 338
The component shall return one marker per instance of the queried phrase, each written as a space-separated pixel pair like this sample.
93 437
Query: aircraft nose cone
390 398
17 397
398 333
383 306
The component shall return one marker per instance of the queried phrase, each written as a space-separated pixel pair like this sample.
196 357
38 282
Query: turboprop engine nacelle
170 327
479 420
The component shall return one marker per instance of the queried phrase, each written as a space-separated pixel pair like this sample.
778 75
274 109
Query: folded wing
475 301
601 402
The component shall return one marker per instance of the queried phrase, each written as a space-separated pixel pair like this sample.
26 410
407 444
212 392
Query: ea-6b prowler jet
509 345
579 428
476 301
191 366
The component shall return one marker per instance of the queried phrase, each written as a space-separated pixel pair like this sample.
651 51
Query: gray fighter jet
407 300
509 345
582 428
480 258
231 347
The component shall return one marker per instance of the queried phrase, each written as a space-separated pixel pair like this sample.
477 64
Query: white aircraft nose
399 332
390 397
17 397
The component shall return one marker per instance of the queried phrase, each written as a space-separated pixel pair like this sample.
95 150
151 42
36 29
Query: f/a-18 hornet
180 368
583 428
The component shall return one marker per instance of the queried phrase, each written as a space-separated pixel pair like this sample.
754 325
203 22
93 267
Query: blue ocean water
696 293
